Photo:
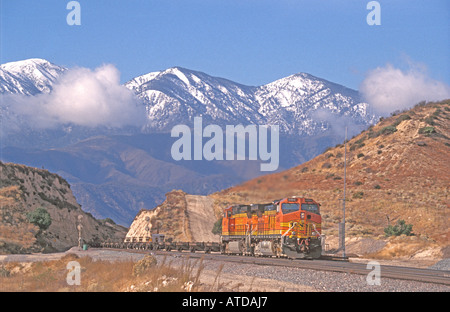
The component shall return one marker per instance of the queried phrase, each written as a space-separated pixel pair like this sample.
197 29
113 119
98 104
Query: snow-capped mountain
28 77
300 104
306 105
177 95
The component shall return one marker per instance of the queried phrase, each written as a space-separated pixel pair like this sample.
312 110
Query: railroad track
386 271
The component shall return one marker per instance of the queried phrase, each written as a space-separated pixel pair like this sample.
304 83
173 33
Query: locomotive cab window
311 208
289 207
270 207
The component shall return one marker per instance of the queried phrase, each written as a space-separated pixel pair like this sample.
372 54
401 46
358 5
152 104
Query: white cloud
389 89
338 123
82 97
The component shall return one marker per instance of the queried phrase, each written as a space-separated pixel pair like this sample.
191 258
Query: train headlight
302 215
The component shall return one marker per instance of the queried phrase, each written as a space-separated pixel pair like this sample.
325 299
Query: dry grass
100 276
402 247
186 275
16 233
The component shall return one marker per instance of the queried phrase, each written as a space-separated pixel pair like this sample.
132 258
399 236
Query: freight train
289 227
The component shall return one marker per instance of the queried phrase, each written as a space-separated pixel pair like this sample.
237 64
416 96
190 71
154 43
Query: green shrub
217 228
430 120
358 195
4 272
388 130
400 119
427 130
40 217
401 228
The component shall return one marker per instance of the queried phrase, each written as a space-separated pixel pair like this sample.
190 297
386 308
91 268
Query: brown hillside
24 189
397 169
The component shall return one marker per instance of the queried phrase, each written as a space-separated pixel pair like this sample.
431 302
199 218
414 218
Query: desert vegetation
145 275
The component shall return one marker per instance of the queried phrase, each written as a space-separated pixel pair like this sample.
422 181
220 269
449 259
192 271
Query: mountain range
299 104
115 171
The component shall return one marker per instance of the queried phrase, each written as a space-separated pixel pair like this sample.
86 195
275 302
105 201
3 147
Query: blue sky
248 41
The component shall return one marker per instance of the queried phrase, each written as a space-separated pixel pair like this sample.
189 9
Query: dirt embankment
201 217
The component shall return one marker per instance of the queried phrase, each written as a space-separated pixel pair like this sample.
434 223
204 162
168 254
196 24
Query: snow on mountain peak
28 77
291 102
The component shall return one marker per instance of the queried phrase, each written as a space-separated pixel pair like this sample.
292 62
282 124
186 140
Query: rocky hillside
24 190
169 218
397 169
182 217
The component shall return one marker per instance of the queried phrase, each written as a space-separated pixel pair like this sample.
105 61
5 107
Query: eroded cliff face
169 218
182 217
24 189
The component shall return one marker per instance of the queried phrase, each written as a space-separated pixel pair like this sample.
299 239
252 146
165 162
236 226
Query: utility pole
79 227
345 187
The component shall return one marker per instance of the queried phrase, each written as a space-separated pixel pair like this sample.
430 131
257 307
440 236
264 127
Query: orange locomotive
289 227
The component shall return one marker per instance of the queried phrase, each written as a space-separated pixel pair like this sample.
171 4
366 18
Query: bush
4 272
217 228
400 119
401 228
144 265
40 217
430 120
427 130
388 130
358 195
